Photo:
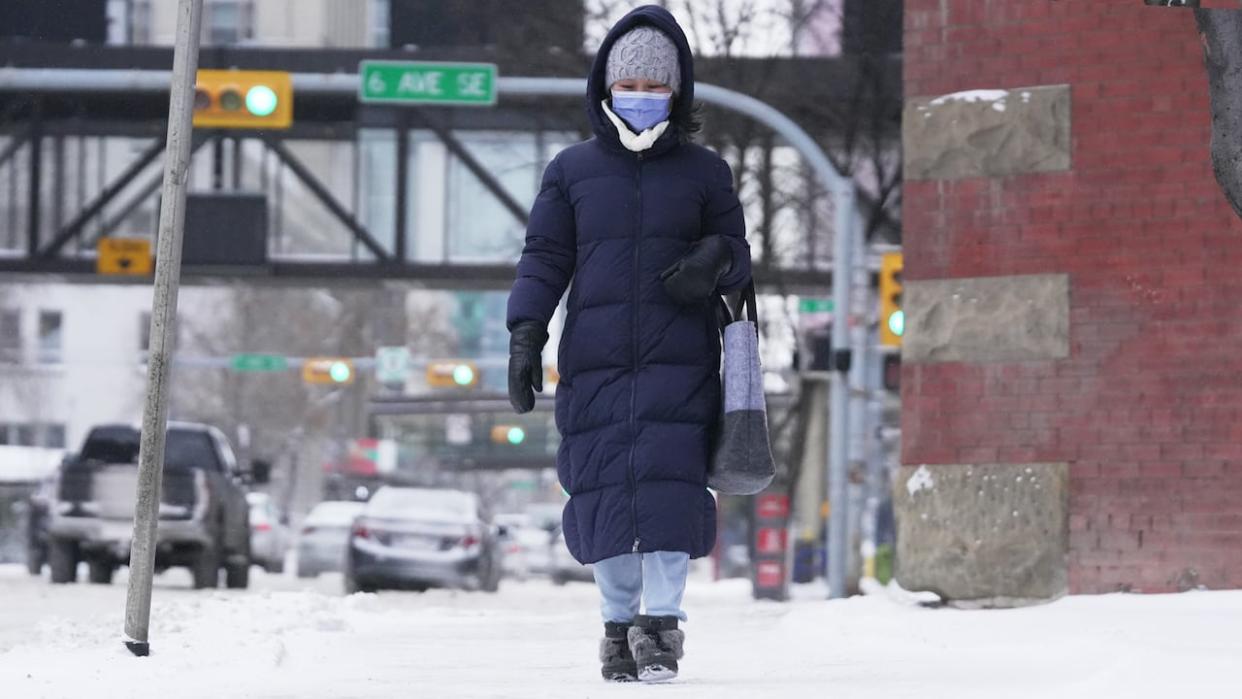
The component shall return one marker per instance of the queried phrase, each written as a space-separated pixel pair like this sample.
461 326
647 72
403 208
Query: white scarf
632 141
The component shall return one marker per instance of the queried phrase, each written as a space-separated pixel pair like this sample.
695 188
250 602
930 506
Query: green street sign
259 362
424 82
815 306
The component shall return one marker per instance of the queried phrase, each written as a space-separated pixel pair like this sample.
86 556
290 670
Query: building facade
1071 382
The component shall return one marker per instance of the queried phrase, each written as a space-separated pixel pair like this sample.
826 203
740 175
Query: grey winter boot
617 663
657 645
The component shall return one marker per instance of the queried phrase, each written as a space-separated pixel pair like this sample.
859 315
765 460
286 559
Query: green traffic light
339 372
463 375
897 323
261 100
517 435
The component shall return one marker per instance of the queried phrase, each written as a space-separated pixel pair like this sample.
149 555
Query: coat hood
597 90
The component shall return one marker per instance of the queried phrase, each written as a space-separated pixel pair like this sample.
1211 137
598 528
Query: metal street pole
839 391
163 321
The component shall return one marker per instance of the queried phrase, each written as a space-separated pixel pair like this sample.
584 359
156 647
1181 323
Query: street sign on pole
259 362
124 256
424 82
392 365
811 305
163 320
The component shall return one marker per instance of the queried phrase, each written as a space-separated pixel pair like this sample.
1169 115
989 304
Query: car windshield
190 448
119 445
113 445
418 503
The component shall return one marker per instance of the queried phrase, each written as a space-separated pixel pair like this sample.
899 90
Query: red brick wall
1147 410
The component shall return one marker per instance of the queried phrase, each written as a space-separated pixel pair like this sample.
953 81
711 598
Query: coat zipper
638 227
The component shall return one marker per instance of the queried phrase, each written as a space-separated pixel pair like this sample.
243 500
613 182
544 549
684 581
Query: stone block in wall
987 319
985 535
987 133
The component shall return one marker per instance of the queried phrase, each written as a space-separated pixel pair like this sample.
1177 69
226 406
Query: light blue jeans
655 580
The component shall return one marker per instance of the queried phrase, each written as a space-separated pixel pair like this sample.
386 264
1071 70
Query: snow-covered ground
286 638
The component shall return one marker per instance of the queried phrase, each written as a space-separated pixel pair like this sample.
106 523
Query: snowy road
285 638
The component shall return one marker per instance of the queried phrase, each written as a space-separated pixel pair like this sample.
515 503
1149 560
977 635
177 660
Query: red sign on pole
770 574
773 506
771 540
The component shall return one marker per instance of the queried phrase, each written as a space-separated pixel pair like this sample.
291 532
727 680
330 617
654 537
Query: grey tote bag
742 460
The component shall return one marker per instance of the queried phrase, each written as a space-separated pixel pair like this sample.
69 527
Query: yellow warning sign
130 256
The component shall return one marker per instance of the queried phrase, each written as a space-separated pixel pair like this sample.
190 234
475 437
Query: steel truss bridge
51 109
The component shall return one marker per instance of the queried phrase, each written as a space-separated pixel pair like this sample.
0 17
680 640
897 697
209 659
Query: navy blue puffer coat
639 394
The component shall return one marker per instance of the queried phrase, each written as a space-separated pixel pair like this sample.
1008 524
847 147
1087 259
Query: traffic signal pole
163 320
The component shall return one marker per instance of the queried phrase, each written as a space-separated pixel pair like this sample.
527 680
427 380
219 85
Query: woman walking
647 226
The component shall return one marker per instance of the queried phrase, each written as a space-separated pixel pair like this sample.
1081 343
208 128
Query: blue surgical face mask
642 110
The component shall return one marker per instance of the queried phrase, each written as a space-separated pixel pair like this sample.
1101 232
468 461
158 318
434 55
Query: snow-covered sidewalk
289 639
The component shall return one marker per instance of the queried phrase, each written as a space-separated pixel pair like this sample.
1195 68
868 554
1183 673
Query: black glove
526 342
693 278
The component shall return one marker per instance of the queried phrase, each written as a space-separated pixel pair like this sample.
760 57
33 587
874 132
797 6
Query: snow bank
533 640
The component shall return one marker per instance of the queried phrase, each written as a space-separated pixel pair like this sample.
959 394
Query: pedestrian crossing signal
243 99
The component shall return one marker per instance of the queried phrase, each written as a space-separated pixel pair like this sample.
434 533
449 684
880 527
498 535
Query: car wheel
489 577
237 576
559 580
36 556
304 572
63 560
353 585
206 569
101 571
276 567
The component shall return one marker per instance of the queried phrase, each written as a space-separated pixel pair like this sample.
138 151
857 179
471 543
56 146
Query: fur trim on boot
617 663
657 644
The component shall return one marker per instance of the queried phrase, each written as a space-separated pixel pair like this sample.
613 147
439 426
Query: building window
140 23
144 332
54 436
483 230
25 436
51 337
379 26
10 336
228 22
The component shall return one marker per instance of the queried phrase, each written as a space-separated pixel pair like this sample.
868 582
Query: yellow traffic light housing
328 370
508 434
243 99
452 374
892 317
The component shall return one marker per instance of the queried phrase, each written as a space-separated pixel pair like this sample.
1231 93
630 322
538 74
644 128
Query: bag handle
745 301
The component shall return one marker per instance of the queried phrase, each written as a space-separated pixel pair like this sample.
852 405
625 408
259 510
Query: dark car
416 538
203 515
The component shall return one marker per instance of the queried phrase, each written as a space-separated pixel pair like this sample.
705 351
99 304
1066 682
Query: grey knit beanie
644 52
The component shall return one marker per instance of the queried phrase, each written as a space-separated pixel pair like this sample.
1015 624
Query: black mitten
526 342
693 278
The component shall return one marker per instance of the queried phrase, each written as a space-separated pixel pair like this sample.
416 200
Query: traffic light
243 99
328 370
508 434
892 317
456 374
